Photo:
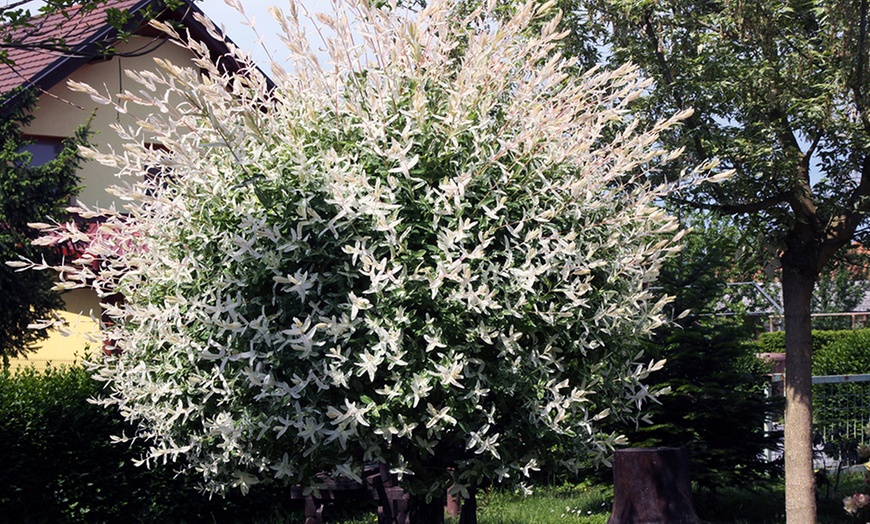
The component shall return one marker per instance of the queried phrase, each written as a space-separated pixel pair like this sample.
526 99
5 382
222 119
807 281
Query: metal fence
841 414
40 364
841 406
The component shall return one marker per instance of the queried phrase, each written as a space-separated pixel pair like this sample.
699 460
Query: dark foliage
29 194
717 406
59 464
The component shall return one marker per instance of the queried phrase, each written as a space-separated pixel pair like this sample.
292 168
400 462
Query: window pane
43 149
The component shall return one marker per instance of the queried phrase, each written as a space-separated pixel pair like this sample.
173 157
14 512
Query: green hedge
845 354
834 352
57 463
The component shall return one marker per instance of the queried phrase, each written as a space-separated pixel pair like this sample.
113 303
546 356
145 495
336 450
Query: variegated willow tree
780 95
433 253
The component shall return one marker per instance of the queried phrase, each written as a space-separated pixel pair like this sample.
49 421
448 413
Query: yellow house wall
82 339
60 112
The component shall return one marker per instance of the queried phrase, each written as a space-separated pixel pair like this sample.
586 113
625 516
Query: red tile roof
54 39
54 46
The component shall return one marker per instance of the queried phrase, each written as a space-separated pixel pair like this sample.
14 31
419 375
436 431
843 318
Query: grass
580 504
590 504
767 506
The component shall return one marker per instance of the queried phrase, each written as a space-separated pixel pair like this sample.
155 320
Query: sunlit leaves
425 253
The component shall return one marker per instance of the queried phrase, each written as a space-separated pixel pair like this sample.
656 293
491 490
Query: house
84 47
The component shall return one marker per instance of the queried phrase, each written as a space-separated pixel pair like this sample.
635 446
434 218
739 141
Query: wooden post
454 503
651 486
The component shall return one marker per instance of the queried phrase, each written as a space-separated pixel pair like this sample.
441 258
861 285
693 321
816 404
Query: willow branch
736 208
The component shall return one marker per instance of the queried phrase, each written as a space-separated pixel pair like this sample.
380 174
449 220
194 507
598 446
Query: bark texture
651 486
799 273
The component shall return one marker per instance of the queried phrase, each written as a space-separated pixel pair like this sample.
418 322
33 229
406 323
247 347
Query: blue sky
243 36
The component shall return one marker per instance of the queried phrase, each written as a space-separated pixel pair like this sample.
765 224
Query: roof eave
65 65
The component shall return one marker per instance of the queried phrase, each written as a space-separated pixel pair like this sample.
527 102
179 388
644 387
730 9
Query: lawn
588 504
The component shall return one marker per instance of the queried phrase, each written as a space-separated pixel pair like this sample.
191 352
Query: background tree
779 91
430 254
29 193
841 287
716 405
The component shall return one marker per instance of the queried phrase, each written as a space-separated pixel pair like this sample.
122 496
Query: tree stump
651 486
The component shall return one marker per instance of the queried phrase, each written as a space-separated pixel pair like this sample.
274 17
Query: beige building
84 58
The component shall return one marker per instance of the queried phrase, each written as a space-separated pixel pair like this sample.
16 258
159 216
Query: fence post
768 420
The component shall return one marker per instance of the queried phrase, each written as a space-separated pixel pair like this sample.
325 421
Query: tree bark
422 512
652 486
798 281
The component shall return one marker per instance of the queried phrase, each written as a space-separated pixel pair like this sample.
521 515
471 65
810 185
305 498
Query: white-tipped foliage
436 249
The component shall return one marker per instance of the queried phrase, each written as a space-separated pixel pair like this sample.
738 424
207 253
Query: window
43 148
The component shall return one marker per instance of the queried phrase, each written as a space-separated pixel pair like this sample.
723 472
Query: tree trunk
798 280
468 514
422 512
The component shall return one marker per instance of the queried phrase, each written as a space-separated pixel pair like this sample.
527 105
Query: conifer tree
716 406
29 193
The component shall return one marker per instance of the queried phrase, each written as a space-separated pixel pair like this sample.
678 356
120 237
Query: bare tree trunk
798 281
422 512
468 514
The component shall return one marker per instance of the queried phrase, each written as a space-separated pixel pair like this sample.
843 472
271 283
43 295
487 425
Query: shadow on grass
767 505
589 504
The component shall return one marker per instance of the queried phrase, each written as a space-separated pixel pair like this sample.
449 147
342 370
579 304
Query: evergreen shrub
59 464
715 405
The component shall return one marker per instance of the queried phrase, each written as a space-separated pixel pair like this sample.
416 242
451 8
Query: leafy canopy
429 253
779 95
